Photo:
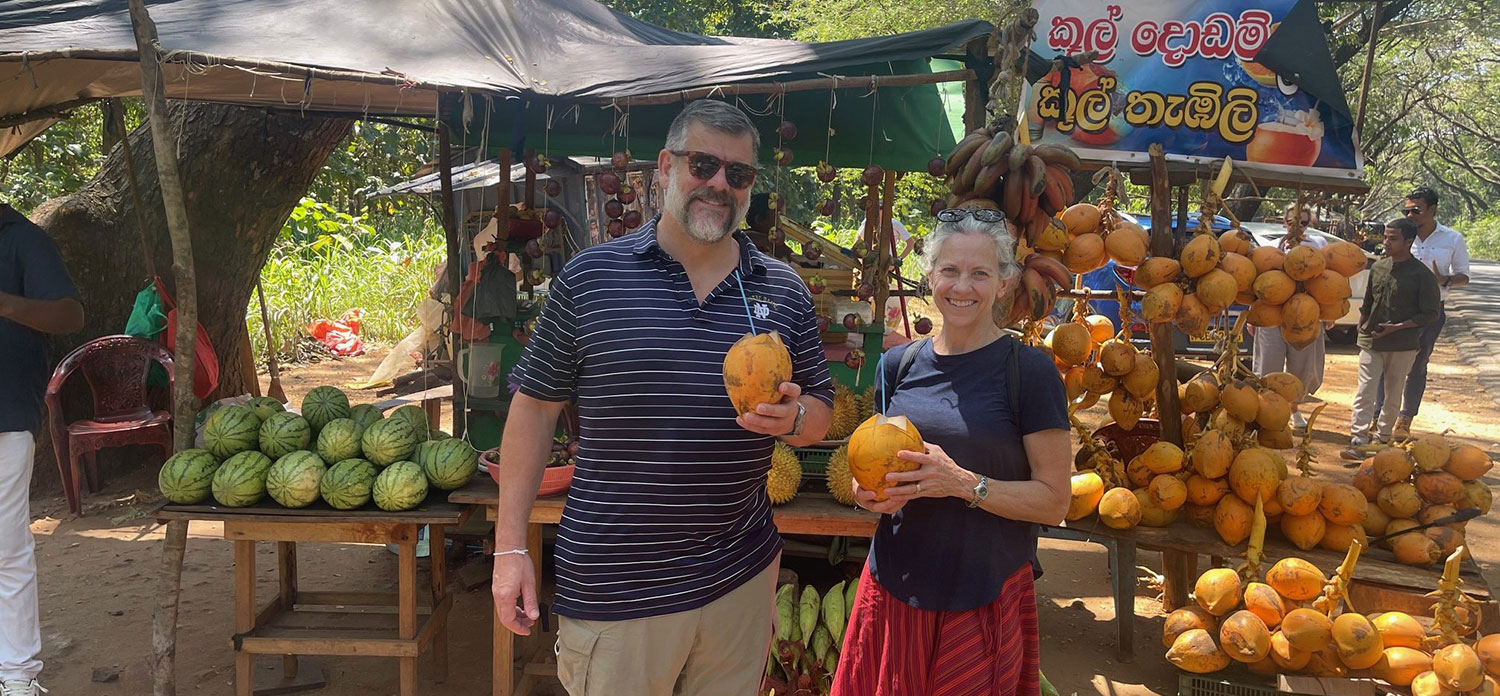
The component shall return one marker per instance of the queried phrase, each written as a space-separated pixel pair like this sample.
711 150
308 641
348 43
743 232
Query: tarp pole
164 621
1163 244
450 231
863 82
884 247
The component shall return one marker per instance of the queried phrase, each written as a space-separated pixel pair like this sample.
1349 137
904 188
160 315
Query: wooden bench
299 622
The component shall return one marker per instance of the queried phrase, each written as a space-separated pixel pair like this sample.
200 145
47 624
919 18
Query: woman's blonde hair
1005 254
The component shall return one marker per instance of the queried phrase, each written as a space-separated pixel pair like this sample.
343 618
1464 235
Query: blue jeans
1416 380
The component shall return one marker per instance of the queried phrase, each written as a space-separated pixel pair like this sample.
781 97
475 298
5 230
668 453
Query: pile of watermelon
348 457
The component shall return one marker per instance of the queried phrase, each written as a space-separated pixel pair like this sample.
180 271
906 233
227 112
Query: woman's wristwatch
980 491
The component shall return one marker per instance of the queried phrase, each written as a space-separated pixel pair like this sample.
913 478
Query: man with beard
666 555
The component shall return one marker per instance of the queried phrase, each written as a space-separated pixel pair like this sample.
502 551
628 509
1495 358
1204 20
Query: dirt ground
99 574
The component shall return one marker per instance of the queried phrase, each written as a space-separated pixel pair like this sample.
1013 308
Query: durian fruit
845 413
839 482
785 475
867 403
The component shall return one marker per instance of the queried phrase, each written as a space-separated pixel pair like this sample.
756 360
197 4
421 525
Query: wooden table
299 622
1379 580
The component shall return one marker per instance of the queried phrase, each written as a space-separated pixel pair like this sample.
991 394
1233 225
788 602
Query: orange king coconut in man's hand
754 369
873 448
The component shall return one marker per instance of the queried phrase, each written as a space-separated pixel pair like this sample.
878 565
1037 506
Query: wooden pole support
1163 243
455 253
164 622
882 247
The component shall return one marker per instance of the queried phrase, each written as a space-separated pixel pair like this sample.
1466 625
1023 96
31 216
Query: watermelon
293 480
390 440
437 435
449 464
187 477
241 479
347 484
231 430
339 440
364 415
324 404
414 415
284 433
265 407
402 486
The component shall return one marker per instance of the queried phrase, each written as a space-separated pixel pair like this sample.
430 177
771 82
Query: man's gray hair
717 115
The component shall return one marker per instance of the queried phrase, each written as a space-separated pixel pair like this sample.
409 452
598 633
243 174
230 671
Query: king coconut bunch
1294 620
1424 481
1294 290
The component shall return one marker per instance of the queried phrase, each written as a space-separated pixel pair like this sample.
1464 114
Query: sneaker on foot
1299 423
1403 428
1352 453
21 687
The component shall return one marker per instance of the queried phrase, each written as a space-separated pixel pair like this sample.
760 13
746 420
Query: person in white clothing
1271 352
1445 252
36 298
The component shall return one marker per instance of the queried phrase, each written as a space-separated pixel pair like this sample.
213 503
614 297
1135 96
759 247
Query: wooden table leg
438 555
1176 574
286 575
434 410
501 677
244 615
1122 555
406 607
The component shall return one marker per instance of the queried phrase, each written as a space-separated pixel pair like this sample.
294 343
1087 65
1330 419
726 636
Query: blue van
1112 275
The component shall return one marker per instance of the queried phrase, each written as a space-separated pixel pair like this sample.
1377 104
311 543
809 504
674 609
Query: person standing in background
1272 354
36 298
1443 251
1400 300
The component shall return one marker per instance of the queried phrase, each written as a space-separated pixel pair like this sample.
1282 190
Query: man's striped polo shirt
668 509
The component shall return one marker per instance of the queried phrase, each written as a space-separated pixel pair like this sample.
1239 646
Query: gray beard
702 230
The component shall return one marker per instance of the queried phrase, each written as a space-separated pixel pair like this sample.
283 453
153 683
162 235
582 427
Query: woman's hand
938 477
866 499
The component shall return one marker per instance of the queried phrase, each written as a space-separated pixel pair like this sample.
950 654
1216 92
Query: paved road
1474 324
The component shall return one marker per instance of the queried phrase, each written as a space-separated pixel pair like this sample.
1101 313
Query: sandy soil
99 574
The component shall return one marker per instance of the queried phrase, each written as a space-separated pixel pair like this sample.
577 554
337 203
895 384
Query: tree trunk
243 171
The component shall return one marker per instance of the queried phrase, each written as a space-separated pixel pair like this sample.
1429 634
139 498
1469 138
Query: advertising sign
1184 73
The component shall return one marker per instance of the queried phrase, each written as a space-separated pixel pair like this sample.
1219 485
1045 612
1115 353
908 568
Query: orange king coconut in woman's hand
873 448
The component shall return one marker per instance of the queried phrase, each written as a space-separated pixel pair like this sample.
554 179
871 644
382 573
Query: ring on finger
919 487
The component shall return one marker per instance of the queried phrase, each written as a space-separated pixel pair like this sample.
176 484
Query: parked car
1113 275
1343 331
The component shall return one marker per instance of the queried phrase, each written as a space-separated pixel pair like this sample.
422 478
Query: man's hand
1441 279
513 584
1386 329
774 419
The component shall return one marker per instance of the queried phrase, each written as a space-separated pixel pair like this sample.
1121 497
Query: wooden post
883 248
1164 244
164 622
530 201
455 253
1364 80
974 91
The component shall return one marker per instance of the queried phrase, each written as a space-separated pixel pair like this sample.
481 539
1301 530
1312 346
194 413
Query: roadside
1474 324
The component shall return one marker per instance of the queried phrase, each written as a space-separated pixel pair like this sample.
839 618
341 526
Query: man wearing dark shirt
36 298
1400 298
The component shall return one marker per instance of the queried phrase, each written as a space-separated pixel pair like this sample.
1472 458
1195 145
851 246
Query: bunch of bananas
1030 184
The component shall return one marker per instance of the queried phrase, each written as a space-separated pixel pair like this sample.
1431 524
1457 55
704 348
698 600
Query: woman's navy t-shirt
938 553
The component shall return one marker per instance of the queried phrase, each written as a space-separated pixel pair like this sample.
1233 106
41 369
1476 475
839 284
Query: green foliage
836 20
1483 235
61 159
755 18
327 262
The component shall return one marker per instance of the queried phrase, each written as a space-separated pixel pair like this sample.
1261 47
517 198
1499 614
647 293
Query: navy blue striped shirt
668 509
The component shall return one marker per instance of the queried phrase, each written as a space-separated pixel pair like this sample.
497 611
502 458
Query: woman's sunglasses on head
980 214
704 166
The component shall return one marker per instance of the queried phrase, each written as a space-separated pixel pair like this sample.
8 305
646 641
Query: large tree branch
1345 51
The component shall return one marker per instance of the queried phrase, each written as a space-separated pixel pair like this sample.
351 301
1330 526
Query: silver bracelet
518 552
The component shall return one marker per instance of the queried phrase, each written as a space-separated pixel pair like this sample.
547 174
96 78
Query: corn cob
784 620
822 642
850 592
833 612
808 613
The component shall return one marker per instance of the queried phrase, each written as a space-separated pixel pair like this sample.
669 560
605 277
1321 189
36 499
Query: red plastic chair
115 368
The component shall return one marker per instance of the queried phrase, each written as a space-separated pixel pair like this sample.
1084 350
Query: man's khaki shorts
716 650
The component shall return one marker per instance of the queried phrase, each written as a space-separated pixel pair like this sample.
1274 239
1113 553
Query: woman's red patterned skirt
894 649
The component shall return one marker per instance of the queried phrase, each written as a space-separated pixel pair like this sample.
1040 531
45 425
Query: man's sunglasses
704 166
980 214
1410 211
